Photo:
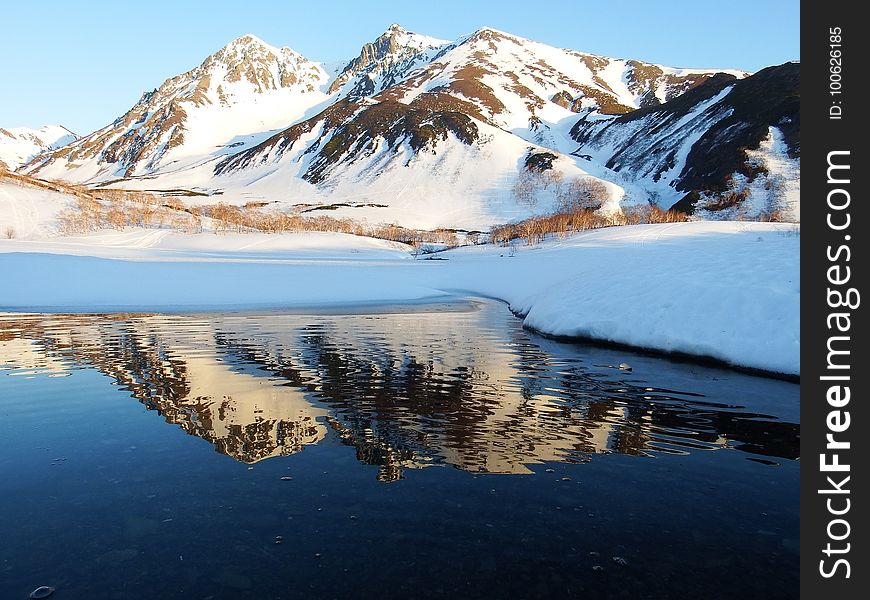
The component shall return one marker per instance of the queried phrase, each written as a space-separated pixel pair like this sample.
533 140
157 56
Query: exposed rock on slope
699 145
245 88
20 144
478 92
384 62
438 133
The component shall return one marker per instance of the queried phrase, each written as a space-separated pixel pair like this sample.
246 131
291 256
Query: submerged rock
42 591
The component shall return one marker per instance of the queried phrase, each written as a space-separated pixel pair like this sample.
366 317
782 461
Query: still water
436 452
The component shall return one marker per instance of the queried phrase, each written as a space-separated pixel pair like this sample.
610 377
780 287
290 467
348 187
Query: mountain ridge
18 145
419 125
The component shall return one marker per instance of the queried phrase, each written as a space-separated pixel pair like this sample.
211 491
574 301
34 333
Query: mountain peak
405 38
233 84
20 144
265 66
246 39
490 34
55 132
249 45
386 59
471 117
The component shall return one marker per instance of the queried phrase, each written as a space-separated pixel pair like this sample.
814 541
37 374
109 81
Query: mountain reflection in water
468 388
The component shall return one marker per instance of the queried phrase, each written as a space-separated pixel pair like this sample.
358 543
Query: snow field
726 290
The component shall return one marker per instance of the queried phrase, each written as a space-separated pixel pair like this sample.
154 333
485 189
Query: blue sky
82 64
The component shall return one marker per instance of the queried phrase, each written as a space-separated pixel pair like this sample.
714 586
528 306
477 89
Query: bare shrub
194 221
223 216
773 216
122 208
726 200
551 177
87 215
581 193
503 234
9 233
530 181
658 215
525 189
535 229
640 213
531 230
423 248
116 215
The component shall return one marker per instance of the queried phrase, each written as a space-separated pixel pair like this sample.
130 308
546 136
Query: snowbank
30 212
726 290
166 245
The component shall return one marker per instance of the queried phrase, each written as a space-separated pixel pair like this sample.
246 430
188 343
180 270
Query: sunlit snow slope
430 133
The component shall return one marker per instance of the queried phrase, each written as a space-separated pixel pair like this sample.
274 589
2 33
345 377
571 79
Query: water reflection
467 388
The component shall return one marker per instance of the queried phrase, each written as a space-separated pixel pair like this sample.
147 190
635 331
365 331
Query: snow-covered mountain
728 146
514 82
443 145
431 133
384 62
20 144
229 101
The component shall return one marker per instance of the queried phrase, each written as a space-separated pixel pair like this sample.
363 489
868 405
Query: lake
436 451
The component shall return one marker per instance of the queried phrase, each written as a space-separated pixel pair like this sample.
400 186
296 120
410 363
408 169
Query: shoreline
451 303
725 293
446 302
673 356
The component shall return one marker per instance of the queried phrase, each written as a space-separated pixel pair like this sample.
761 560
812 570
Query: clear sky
82 64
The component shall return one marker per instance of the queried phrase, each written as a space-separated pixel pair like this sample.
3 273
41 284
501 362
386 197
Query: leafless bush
581 193
525 189
187 222
87 215
725 200
535 229
773 216
530 181
116 215
551 177
9 232
122 208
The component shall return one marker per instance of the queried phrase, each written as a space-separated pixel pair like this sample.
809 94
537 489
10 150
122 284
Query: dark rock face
382 98
715 122
770 98
387 59
540 161
346 139
675 133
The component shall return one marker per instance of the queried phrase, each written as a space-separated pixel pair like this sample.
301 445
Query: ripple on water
644 468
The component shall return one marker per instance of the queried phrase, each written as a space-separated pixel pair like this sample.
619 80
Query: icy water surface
437 452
